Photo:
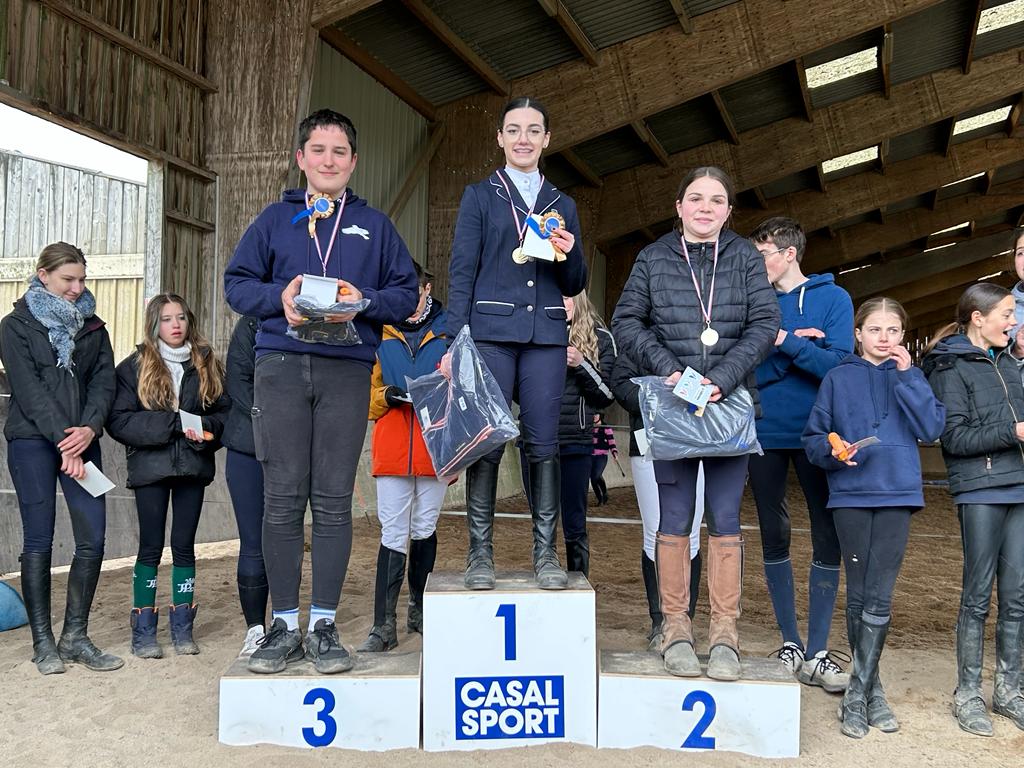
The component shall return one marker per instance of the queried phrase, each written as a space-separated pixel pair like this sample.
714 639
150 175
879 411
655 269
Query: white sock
316 613
290 618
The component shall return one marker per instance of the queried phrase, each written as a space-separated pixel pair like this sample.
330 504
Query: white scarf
173 359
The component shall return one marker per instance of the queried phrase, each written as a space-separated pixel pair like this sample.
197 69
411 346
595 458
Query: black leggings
768 478
186 498
874 542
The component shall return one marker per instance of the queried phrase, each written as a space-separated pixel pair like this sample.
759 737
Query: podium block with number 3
508 667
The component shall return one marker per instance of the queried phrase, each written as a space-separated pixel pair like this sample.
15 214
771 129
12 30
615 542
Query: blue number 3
697 739
324 716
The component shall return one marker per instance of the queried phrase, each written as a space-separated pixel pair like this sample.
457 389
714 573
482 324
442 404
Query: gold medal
549 222
519 257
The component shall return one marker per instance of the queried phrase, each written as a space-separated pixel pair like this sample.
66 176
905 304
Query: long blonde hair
582 333
156 392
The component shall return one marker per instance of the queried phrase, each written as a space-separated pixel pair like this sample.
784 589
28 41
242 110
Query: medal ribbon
520 229
334 233
706 311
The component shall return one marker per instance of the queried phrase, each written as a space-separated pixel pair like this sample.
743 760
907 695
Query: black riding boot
422 554
866 653
968 703
577 555
650 572
880 714
35 586
390 572
1008 699
75 645
481 496
545 491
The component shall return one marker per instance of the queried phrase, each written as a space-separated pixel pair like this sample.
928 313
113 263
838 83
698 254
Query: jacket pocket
495 307
556 312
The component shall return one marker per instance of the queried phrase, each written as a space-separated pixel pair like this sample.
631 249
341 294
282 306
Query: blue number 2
507 611
324 696
697 739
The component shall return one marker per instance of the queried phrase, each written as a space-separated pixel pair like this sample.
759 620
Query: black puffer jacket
984 400
628 395
241 365
154 443
658 318
46 399
587 392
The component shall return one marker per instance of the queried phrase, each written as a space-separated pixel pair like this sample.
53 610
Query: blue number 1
697 739
324 716
507 611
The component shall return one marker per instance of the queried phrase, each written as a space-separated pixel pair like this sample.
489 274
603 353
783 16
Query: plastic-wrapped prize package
675 431
317 330
463 418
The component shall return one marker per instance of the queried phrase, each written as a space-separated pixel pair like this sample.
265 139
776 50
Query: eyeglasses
513 132
766 254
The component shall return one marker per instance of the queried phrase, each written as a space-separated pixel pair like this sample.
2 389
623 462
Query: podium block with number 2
508 667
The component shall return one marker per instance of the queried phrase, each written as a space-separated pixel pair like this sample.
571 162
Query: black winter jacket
628 395
658 318
587 392
46 399
155 446
241 366
984 400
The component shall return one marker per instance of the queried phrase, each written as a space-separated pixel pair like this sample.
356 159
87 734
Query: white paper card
536 246
191 421
642 444
322 290
95 482
690 389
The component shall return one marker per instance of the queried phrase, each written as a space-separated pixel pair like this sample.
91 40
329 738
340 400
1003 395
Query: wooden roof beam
972 38
328 12
805 92
359 56
883 155
948 297
1014 129
958 276
636 196
886 56
648 138
557 11
820 172
458 46
683 15
581 167
726 118
950 127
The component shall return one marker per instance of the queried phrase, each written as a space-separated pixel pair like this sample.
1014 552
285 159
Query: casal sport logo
509 707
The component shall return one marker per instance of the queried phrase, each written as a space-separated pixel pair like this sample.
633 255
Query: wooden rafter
886 56
1013 127
683 15
950 127
426 154
820 173
359 56
883 154
648 138
557 11
805 92
581 167
328 12
458 46
972 38
726 118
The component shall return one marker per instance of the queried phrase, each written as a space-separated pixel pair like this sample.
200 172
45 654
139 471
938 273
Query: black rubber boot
390 573
545 490
577 555
481 497
866 653
75 645
968 703
695 563
422 554
880 714
35 586
650 573
1008 700
144 642
182 619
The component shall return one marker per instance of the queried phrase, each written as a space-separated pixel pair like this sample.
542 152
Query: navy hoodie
368 252
858 399
789 377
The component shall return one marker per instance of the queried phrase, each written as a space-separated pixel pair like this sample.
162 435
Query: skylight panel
854 158
980 121
1001 16
842 68
949 229
966 178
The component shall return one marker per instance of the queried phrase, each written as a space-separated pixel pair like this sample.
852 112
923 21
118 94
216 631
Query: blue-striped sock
316 613
290 618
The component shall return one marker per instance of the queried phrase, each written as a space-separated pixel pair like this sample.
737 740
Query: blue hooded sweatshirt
368 252
789 377
858 399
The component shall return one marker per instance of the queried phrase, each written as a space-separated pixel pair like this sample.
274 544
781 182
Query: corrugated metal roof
505 29
992 129
998 40
559 172
917 201
847 88
870 39
930 138
614 151
1010 172
698 7
796 182
402 44
764 98
931 40
607 22
687 126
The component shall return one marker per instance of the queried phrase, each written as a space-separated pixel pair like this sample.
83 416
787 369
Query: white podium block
374 706
508 667
643 705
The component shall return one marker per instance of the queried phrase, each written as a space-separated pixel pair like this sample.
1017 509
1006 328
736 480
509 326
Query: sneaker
324 649
791 655
277 649
252 641
821 670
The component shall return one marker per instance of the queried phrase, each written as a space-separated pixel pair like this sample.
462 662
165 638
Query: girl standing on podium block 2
513 307
699 297
174 369
876 392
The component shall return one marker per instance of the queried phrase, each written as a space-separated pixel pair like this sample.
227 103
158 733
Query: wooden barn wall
390 134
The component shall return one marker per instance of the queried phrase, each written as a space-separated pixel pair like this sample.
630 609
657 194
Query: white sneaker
823 671
252 639
791 655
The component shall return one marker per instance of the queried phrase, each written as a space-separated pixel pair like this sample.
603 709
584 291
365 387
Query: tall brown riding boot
725 577
672 554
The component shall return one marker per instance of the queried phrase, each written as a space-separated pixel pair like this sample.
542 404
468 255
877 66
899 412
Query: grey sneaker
324 649
791 655
821 670
278 648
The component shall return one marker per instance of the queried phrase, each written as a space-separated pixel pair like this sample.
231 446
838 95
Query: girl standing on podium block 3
513 307
174 369
58 360
872 493
699 297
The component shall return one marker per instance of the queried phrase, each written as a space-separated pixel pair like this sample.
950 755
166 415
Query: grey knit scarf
62 319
